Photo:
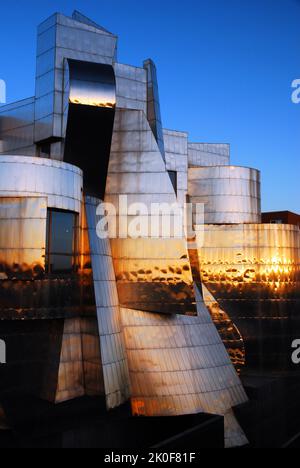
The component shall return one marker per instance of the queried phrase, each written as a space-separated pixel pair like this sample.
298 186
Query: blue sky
225 69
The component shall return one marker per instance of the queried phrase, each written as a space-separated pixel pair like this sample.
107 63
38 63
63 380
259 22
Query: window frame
75 248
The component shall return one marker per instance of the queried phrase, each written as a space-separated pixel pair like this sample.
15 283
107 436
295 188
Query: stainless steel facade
253 273
208 154
230 194
17 128
134 319
89 105
176 151
178 365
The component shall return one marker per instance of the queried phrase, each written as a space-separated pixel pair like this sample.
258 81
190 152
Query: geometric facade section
230 194
253 273
208 154
230 334
153 272
178 365
112 349
90 98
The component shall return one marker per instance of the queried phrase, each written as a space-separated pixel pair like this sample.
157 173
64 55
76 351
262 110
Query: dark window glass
173 177
61 241
44 150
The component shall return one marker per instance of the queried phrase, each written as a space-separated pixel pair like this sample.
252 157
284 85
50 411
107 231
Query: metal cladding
34 303
208 154
59 182
155 284
61 38
112 348
28 186
178 365
228 331
90 92
153 105
230 194
176 152
253 271
17 128
152 274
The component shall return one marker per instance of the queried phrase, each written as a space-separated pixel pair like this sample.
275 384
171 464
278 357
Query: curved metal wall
153 274
33 305
253 271
231 194
60 183
178 365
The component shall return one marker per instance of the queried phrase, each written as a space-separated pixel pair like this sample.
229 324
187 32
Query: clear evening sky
225 69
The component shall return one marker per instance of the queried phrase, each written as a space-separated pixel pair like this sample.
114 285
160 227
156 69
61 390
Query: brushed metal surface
145 282
59 182
113 354
208 154
178 365
230 194
253 271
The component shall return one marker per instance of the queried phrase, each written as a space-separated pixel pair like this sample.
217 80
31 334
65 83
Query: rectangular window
173 177
276 221
61 243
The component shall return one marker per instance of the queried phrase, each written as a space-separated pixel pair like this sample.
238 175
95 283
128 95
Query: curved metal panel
228 331
110 337
230 194
89 110
28 187
152 274
253 271
60 183
178 365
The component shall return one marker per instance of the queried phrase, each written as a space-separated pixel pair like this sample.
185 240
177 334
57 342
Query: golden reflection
253 273
229 333
90 101
154 275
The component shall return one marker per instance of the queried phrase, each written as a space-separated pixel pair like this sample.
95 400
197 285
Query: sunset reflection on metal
253 272
90 84
152 275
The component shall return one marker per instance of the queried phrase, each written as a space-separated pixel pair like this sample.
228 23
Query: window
276 221
61 243
44 150
173 177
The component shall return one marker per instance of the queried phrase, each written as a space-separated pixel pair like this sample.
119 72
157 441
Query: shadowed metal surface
90 99
228 331
17 128
153 105
230 194
253 271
